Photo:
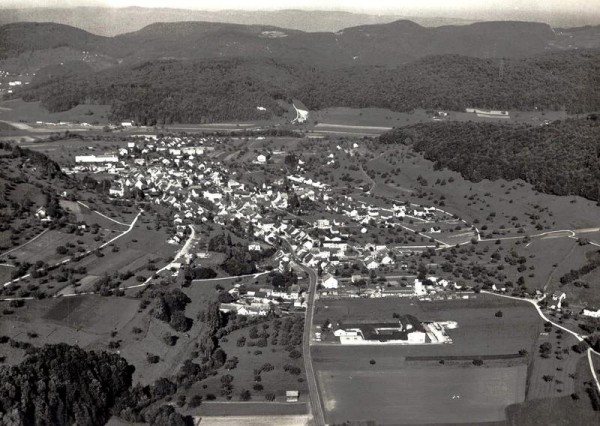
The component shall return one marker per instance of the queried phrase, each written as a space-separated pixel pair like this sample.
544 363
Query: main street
311 379
313 388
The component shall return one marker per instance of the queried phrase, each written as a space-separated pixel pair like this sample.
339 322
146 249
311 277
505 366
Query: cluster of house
8 84
265 300
332 286
179 172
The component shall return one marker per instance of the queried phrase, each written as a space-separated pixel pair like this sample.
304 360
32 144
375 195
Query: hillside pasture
131 252
503 207
548 260
44 247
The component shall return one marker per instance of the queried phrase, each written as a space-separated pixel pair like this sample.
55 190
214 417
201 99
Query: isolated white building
329 281
419 289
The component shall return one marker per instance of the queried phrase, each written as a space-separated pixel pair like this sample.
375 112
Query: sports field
421 395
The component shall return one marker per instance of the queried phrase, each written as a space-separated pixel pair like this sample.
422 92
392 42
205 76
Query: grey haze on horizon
112 17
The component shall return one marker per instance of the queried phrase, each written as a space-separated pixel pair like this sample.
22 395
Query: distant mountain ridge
389 44
113 21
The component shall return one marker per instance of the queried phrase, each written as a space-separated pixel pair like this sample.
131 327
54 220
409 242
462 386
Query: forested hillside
201 91
562 158
553 81
174 91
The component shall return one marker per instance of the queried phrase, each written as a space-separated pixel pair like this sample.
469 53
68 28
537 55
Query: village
182 174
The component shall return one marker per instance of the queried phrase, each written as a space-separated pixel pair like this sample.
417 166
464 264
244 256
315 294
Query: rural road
311 379
578 336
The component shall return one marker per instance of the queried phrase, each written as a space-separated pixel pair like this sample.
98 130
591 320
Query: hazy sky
440 7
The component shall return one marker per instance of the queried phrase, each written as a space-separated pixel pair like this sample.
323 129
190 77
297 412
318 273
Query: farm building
407 330
591 313
488 113
96 159
261 159
292 396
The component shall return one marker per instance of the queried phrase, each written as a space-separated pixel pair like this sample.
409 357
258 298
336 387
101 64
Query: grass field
421 395
5 272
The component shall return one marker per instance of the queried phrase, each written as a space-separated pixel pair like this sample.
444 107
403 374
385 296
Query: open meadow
420 395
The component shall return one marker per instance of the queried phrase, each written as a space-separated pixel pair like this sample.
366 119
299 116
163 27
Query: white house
558 297
254 247
372 265
419 290
261 159
590 313
329 281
